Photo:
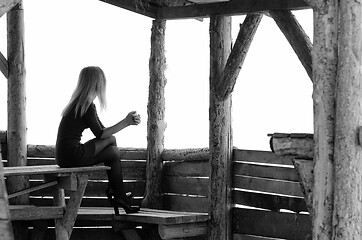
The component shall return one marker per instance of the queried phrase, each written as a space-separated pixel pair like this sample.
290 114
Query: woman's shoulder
91 109
92 106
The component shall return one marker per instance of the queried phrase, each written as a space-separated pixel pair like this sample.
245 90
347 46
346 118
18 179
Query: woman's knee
113 152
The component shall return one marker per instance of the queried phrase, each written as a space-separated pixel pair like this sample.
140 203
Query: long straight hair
91 84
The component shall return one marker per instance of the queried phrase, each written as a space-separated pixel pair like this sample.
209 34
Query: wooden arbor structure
333 63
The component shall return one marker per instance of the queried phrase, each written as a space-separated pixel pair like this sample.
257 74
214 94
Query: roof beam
6 5
234 7
131 5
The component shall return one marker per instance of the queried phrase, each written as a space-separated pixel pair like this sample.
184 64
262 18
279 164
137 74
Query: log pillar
347 217
16 134
156 117
324 58
220 143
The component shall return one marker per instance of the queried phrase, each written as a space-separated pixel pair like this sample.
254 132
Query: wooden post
156 116
16 134
220 143
6 231
325 57
347 217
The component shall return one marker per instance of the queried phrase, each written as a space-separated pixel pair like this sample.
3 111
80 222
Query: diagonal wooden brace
304 169
64 226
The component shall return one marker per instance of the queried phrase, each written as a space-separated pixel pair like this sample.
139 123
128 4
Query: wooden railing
267 197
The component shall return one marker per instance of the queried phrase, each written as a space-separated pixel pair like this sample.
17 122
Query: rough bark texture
16 137
299 145
156 116
324 78
220 143
16 134
185 154
347 217
238 54
296 36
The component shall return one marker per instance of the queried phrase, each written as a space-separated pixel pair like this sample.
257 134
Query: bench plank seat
144 216
49 169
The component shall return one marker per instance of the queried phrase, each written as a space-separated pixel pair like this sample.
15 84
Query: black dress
69 151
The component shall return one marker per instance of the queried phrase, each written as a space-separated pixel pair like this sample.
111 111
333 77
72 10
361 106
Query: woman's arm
131 119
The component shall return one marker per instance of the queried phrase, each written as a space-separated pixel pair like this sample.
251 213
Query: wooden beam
28 212
299 145
234 7
4 68
220 130
131 5
32 189
185 154
6 5
237 56
296 36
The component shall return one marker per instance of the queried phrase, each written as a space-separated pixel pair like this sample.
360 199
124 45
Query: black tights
111 157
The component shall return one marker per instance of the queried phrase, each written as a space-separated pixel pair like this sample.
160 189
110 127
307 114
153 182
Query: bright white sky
273 92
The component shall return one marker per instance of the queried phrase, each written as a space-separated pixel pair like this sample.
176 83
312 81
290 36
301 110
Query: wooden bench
169 224
73 179
185 189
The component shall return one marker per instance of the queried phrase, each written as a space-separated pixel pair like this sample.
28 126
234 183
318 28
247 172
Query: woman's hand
133 118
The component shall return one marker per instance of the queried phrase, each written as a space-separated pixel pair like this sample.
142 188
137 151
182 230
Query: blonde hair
91 84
